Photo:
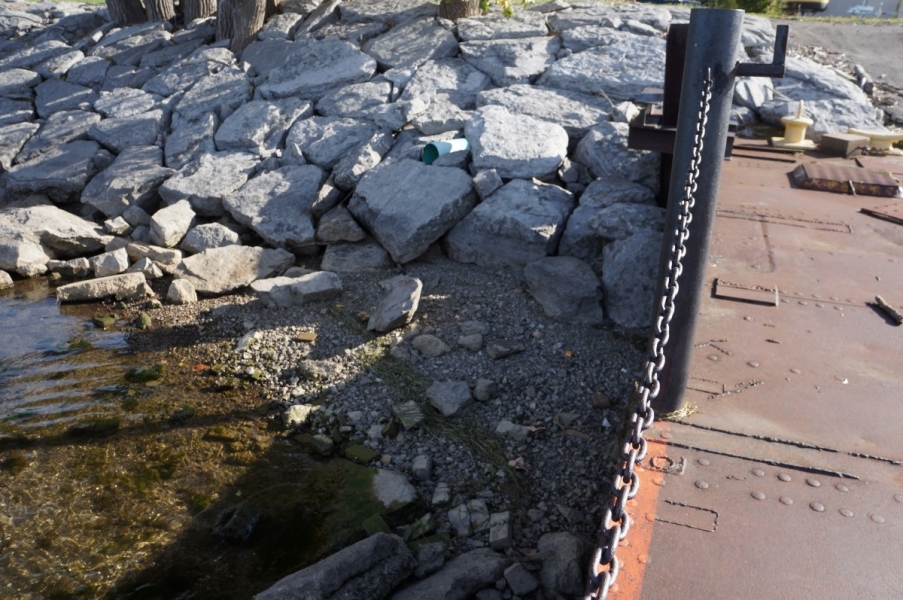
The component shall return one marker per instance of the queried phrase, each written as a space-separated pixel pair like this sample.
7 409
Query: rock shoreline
504 278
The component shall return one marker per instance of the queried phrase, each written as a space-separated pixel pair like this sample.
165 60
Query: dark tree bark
159 10
198 9
274 7
458 9
239 21
126 12
224 27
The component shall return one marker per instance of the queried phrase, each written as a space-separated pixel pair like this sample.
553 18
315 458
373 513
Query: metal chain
615 521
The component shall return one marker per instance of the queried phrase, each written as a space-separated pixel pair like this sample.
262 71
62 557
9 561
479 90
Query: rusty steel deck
788 480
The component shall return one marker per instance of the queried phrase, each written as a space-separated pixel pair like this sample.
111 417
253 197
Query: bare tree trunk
159 10
273 8
224 26
247 21
458 9
198 9
126 12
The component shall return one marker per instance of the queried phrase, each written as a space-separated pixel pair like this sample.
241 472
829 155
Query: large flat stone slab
117 135
449 80
460 578
20 250
125 102
323 141
408 205
189 142
12 139
131 180
311 70
15 111
170 224
18 84
519 224
629 271
391 11
499 27
277 205
604 151
124 286
55 95
508 62
208 180
515 146
180 77
567 288
60 173
412 44
30 55
64 233
591 228
220 93
221 270
260 126
130 51
60 128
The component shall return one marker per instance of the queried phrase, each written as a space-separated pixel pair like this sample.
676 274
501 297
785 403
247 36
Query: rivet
753 364
783 476
747 318
650 517
817 506
758 495
665 435
659 481
819 305
702 485
898 498
758 472
842 488
846 512
795 370
804 303
704 462
877 519
813 482
835 298
632 503
643 559
786 500
713 357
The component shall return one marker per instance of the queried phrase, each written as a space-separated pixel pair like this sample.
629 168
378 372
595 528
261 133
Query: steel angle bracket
777 67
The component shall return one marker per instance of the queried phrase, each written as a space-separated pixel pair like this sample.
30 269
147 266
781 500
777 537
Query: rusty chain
615 521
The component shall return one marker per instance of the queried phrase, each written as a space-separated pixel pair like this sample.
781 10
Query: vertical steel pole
713 43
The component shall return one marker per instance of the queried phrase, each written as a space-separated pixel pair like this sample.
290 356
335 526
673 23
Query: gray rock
397 308
511 430
430 558
130 50
260 127
422 467
603 193
60 173
119 77
6 281
220 270
392 11
356 258
579 39
639 28
15 111
500 537
220 93
519 224
323 141
189 142
31 55
393 489
208 180
277 204
209 235
486 183
596 16
55 95
430 345
629 272
590 229
166 258
412 44
280 27
110 263
167 55
459 579
548 7
132 180
450 81
485 390
449 397
459 519
289 291
64 233
135 216
90 71
21 251
604 151
60 128
496 26
509 62
297 415
169 225
328 198
358 100
408 414
567 289
370 568
118 135
389 201
514 145
441 495
310 70
127 286
565 554
321 15
574 111
503 349
265 55
18 84
147 267
12 139
180 77
472 342
753 92
441 117
348 172
181 291
125 102
620 70
339 226
520 580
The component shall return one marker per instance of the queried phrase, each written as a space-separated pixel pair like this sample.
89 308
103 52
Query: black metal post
713 42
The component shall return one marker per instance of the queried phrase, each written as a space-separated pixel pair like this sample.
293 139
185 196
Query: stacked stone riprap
310 140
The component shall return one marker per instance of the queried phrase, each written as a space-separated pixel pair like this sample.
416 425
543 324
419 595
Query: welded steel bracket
777 66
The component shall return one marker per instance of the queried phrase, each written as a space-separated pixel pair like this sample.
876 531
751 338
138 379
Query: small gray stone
472 342
397 308
430 345
449 397
131 181
120 134
169 225
486 183
181 291
110 263
500 534
321 285
135 216
430 558
567 288
485 390
297 415
55 95
219 270
166 258
441 495
408 414
393 489
356 258
189 142
124 286
514 431
412 44
208 235
459 519
520 580
422 467
339 226
6 281
503 348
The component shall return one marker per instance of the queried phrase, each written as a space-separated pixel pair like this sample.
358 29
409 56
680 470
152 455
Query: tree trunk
198 9
273 8
247 21
224 28
159 10
459 9
126 12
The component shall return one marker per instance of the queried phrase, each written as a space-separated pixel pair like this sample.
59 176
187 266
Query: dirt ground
877 47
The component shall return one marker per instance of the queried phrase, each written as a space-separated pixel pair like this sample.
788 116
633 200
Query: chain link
615 521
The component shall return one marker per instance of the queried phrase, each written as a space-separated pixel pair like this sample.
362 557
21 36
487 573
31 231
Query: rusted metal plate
828 177
881 164
887 212
782 216
747 292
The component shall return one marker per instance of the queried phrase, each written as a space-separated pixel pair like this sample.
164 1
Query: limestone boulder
412 44
449 80
356 257
209 179
260 127
397 308
221 270
629 271
591 228
509 62
567 288
132 180
15 111
324 141
499 27
462 577
127 286
219 93
66 234
18 84
392 11
119 134
55 95
604 151
60 173
408 205
125 102
12 139
188 142
170 224
60 128
208 235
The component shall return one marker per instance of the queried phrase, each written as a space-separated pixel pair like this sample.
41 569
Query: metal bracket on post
777 66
